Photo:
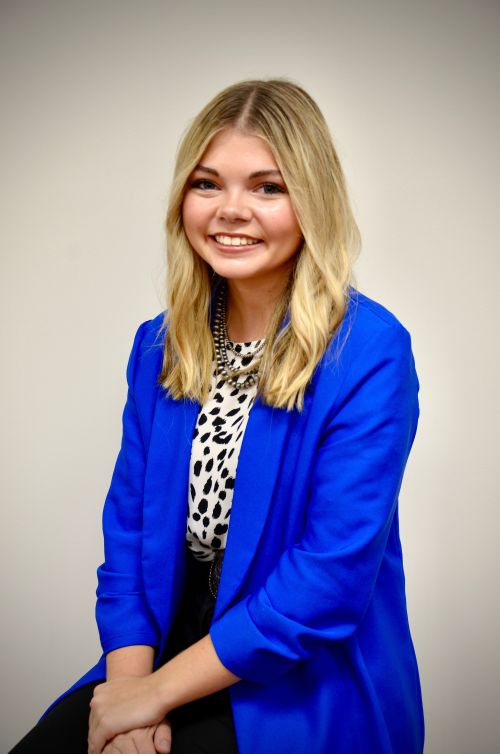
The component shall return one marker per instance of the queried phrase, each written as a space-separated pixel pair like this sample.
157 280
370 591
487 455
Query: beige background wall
94 98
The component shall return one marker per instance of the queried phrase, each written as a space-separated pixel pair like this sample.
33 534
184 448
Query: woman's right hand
155 739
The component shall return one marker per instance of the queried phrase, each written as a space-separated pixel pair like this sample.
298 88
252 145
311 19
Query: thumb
163 737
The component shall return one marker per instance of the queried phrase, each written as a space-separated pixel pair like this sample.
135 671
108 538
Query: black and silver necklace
223 345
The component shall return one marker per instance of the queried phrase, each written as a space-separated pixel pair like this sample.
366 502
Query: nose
233 207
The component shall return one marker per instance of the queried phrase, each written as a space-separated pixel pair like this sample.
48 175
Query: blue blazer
311 610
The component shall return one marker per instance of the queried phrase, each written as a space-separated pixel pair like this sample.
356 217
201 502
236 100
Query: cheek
284 224
280 219
193 215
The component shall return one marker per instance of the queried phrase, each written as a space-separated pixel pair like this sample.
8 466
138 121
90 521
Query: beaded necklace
223 345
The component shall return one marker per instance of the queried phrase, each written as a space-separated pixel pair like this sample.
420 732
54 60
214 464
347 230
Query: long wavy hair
313 303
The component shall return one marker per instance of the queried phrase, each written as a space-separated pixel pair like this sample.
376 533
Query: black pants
204 726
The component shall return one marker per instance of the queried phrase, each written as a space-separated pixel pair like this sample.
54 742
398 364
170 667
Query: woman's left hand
121 705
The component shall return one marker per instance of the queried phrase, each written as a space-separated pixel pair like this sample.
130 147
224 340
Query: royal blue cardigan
311 610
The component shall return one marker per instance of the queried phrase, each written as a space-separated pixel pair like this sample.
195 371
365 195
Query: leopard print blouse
216 445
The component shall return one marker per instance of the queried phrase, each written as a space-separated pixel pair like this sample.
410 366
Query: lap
201 727
198 732
64 729
204 726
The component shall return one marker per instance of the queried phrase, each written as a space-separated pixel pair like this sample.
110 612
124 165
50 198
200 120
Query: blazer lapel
166 504
257 470
166 500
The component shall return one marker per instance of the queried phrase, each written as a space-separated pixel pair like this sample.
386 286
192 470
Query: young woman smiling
252 597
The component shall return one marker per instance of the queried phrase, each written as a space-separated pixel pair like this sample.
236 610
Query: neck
249 308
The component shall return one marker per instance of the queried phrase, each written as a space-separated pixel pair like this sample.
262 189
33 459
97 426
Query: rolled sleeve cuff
124 621
244 650
128 639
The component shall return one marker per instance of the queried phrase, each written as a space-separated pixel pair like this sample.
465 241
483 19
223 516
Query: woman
252 595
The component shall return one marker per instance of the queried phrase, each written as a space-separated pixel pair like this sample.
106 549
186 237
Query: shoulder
153 332
369 335
367 365
368 316
367 321
146 356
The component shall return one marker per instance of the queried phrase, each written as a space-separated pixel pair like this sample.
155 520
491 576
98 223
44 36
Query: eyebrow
256 174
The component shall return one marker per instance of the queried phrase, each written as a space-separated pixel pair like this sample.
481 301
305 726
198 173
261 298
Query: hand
121 706
150 740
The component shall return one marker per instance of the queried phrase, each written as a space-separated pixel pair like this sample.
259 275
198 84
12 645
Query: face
237 213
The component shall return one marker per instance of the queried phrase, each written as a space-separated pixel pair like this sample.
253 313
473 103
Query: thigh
64 729
204 727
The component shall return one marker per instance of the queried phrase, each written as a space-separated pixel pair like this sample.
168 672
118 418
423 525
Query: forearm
135 660
124 704
192 674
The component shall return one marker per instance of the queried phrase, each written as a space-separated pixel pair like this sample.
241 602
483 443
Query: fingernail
165 745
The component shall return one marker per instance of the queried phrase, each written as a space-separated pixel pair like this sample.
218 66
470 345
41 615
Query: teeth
235 240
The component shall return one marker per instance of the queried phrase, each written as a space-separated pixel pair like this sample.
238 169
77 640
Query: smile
236 240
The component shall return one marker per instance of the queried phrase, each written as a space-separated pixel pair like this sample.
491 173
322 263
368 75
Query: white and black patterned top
214 456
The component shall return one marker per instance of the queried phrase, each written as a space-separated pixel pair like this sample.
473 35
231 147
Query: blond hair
290 122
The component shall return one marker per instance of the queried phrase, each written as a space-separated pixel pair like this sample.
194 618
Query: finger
91 740
121 744
110 748
99 731
163 737
97 738
143 739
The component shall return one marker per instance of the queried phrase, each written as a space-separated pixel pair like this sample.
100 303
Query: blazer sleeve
122 614
321 587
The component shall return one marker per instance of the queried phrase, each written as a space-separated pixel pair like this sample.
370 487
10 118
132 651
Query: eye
271 188
204 184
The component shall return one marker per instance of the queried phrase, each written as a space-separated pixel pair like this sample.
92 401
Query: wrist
163 688
193 673
133 661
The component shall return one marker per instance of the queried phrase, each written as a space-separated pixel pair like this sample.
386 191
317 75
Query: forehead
232 145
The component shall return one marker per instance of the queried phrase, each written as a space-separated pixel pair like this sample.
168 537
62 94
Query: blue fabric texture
311 609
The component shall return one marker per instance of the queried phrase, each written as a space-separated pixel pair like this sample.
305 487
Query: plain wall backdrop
95 96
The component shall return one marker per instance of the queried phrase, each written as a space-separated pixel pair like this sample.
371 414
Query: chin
231 272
